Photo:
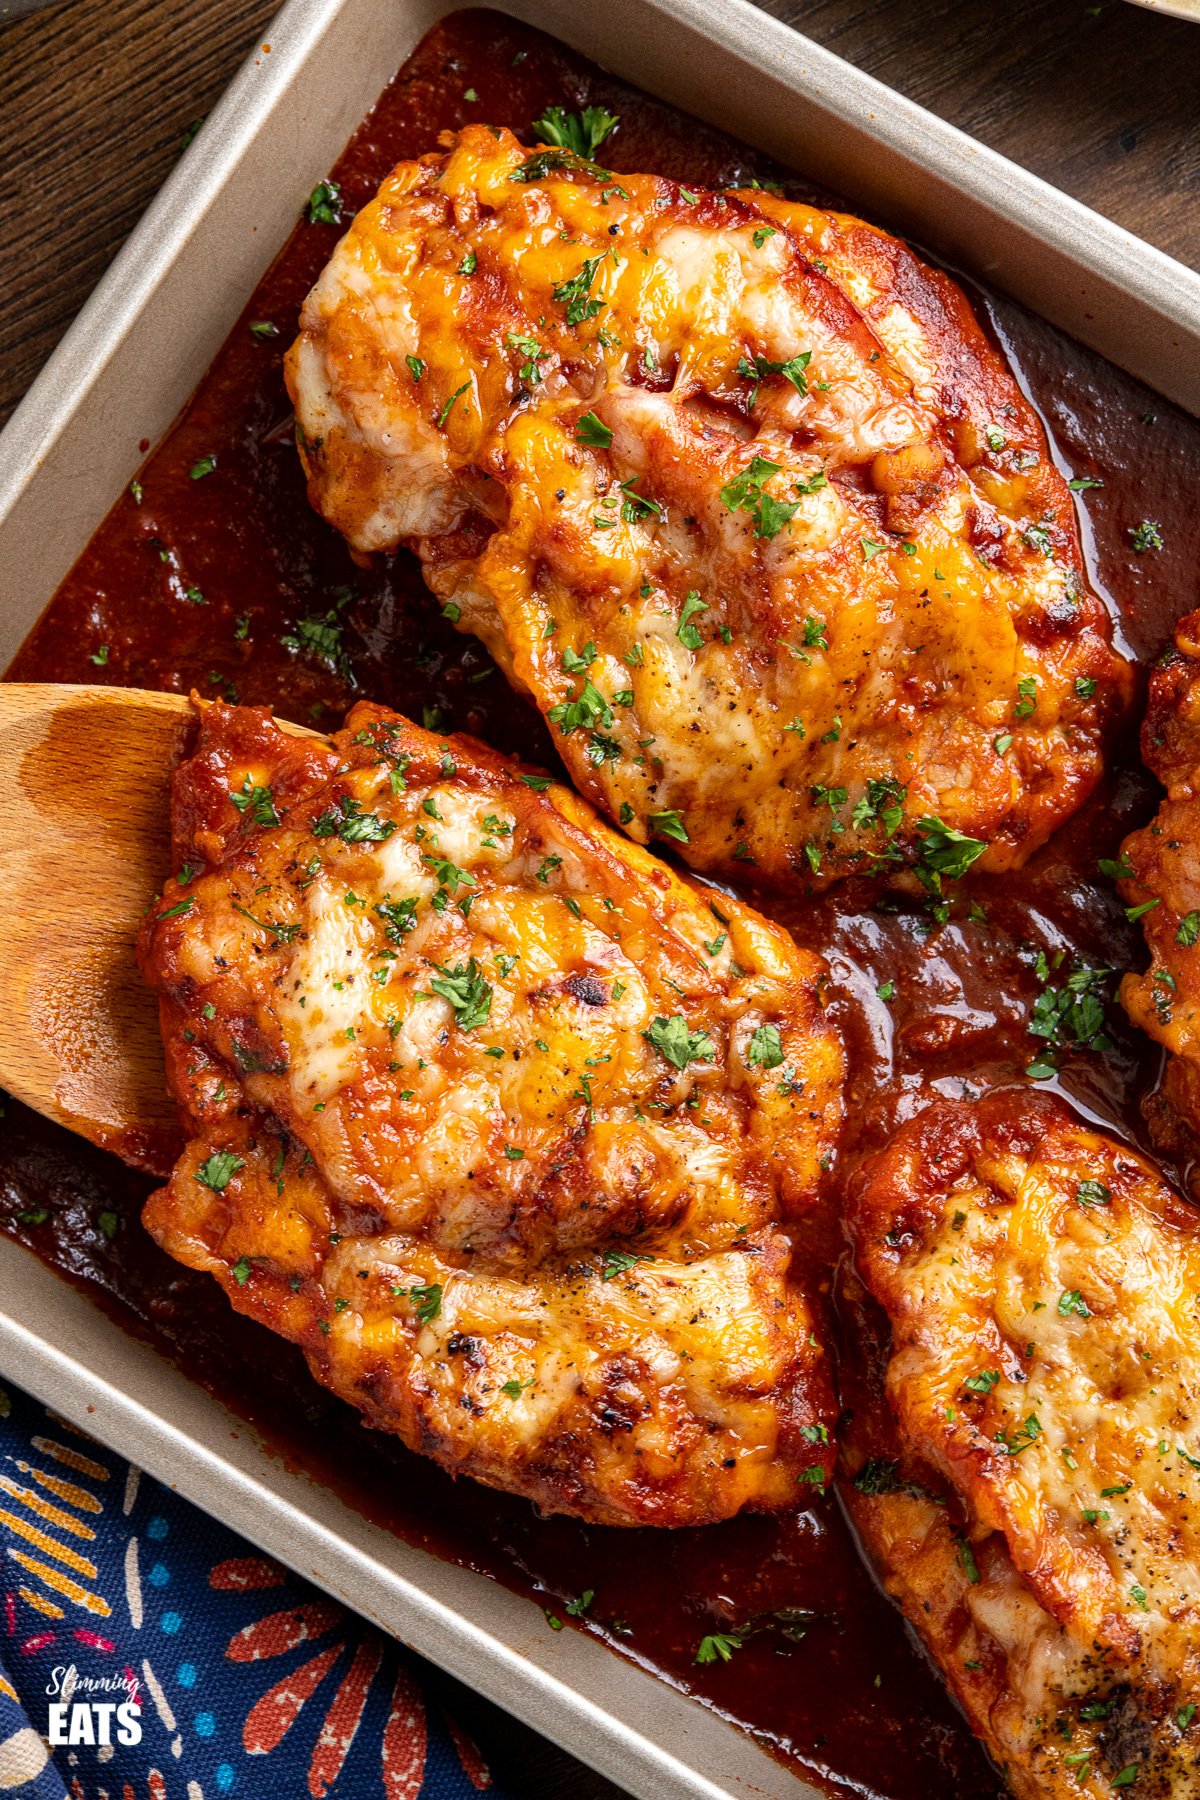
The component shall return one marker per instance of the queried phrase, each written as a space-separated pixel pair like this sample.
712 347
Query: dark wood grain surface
1101 99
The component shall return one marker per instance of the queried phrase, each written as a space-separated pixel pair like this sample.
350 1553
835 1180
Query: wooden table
1101 99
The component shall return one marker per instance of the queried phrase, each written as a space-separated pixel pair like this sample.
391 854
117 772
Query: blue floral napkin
146 1653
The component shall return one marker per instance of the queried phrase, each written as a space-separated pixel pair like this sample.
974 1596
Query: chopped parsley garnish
1021 1438
1027 697
581 132
1189 930
282 934
263 328
746 492
586 712
619 1262
878 1476
531 369
757 368
672 1039
1093 1193
259 802
593 432
544 162
719 1646
668 824
766 1048
966 1560
347 820
449 406
325 204
687 633
219 1169
321 637
202 467
448 874
1071 1015
635 506
573 292
428 1299
466 991
241 1271
945 853
1146 536
469 264
399 917
881 804
1073 1302
983 1383
578 662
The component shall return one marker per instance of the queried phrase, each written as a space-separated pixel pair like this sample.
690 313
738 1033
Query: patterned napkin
147 1653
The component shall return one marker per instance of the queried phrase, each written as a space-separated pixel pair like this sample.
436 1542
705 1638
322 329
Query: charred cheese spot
500 1167
772 522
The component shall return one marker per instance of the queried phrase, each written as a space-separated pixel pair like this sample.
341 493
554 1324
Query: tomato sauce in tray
213 573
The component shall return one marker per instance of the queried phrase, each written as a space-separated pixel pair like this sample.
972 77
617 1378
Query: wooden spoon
85 845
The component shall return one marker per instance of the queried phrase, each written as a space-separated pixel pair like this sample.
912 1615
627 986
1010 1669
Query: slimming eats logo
87 1721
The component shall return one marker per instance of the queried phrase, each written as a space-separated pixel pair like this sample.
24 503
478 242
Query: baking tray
121 375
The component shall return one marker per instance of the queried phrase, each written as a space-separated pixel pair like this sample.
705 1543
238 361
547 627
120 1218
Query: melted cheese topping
734 488
508 1122
1043 1289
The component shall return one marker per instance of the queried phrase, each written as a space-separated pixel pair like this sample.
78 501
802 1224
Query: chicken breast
1027 1471
1161 865
735 489
499 1119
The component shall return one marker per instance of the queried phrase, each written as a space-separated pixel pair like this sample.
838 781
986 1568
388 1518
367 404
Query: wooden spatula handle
85 776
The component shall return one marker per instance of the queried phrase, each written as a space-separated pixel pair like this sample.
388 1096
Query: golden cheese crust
734 488
498 1118
1030 1487
1163 860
